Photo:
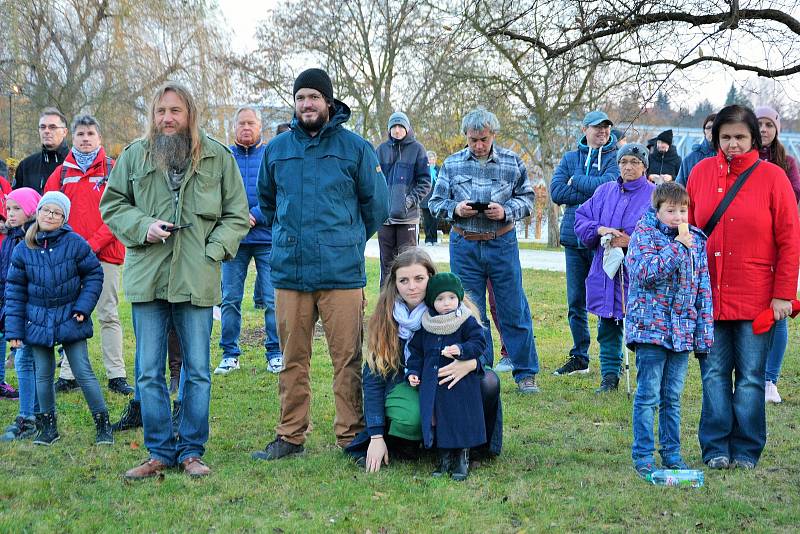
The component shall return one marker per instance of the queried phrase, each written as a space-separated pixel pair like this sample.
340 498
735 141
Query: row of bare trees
539 64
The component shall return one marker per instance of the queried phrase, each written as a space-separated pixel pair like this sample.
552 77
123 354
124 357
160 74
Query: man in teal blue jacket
321 189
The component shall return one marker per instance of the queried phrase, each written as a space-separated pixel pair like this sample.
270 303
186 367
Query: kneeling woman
391 406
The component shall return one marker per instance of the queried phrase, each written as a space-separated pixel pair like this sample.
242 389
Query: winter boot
444 463
176 417
21 428
461 464
48 434
131 417
103 426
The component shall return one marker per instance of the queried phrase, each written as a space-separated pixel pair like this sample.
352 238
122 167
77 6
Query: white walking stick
624 341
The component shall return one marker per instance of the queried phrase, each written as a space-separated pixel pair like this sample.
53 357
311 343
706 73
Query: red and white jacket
754 252
84 191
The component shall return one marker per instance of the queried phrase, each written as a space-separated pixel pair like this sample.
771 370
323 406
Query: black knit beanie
665 136
314 79
439 283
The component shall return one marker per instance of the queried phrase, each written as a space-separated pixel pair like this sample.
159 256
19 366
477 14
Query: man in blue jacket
257 245
404 163
322 190
580 172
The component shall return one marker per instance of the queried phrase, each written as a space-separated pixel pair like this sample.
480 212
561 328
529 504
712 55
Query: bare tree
107 56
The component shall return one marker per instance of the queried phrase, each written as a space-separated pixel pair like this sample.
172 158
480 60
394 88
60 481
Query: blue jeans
579 261
234 273
137 396
780 339
660 375
26 381
609 337
78 357
498 260
733 422
151 324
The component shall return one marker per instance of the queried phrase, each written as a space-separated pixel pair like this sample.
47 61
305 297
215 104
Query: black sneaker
120 385
278 449
575 365
103 434
131 417
63 385
609 383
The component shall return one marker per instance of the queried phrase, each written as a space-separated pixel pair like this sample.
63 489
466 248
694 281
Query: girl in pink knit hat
20 212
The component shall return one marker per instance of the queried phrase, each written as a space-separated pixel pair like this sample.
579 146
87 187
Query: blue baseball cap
595 118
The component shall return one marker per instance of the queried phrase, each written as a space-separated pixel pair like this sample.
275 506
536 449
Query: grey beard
171 152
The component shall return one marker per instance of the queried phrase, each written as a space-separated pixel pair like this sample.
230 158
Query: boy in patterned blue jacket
669 314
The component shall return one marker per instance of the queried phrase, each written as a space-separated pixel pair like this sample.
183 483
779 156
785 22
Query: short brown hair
670 192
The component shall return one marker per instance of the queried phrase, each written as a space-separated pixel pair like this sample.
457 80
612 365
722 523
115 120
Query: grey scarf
446 324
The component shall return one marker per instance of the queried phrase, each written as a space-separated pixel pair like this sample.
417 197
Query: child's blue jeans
26 381
660 375
78 356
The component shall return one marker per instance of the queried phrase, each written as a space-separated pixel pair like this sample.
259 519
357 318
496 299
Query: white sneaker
275 365
226 366
771 392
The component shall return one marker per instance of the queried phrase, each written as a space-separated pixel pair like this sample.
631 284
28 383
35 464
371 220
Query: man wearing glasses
34 170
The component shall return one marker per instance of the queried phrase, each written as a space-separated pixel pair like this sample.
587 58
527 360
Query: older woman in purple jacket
614 210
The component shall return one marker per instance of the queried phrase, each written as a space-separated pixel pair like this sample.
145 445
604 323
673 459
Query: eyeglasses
51 127
50 213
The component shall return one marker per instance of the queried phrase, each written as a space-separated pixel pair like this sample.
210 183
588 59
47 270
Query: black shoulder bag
727 199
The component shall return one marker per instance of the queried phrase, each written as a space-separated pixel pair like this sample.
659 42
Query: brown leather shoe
147 469
195 467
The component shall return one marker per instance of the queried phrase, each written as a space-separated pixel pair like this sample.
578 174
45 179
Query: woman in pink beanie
769 124
21 207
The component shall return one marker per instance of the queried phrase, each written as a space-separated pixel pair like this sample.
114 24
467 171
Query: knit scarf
407 322
447 323
84 160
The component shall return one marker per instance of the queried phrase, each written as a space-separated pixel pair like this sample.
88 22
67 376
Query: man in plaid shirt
482 190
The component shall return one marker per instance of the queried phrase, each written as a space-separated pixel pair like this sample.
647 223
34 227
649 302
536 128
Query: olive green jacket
186 268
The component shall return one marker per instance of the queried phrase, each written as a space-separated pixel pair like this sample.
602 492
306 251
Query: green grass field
565 463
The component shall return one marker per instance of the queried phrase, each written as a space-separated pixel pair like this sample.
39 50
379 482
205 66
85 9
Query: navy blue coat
575 179
46 286
405 165
458 411
248 158
14 236
324 196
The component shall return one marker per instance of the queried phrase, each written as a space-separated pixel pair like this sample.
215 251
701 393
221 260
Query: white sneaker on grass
771 392
226 366
275 364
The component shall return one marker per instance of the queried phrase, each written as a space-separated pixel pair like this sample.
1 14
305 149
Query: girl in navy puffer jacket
52 287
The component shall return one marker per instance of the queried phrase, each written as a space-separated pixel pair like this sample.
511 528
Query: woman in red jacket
753 258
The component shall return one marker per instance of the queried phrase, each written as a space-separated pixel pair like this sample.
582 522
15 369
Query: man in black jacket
34 170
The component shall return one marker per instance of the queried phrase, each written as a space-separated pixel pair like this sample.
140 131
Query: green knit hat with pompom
440 283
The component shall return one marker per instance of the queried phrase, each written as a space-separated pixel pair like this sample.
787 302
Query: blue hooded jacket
249 161
575 179
699 152
405 165
323 196
46 286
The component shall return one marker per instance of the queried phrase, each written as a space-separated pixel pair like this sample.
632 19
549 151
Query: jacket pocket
341 261
207 189
284 261
461 188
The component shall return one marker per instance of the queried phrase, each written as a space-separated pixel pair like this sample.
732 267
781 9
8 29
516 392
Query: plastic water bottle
688 478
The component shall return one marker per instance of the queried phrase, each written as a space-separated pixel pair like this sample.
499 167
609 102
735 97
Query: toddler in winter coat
20 212
669 314
453 412
52 287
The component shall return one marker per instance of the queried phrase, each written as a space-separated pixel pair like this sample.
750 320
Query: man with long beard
177 202
322 192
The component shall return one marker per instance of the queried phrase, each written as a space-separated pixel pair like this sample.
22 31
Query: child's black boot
103 427
131 417
176 417
461 464
48 432
444 463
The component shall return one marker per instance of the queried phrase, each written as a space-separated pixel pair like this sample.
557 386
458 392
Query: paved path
529 259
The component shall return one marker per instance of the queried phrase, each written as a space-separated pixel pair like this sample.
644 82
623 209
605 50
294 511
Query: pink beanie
27 198
766 112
